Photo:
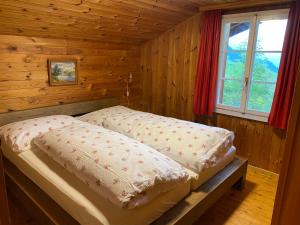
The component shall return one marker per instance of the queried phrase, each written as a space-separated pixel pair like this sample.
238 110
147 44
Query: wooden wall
168 68
288 195
257 141
102 71
168 65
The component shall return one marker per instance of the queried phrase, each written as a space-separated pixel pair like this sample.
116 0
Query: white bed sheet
80 202
198 179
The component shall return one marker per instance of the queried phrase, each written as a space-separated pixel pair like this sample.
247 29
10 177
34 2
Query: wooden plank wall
257 141
102 71
168 65
168 68
288 195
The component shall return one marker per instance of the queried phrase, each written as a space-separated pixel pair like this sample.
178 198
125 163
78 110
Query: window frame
253 18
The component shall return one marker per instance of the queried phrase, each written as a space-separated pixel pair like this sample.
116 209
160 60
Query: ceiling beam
241 4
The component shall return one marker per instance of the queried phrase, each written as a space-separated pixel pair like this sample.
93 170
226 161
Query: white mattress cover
80 202
198 179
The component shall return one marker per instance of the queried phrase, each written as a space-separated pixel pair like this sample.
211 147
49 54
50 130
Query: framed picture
62 72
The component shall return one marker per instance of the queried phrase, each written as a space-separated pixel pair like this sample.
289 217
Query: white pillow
18 136
97 117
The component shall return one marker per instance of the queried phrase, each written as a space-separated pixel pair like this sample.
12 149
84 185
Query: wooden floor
252 206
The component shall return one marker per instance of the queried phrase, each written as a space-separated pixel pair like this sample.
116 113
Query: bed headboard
71 109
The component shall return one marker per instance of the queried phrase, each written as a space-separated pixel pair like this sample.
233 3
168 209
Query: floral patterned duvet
120 169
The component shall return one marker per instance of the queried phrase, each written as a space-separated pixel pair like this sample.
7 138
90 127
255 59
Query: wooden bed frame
47 211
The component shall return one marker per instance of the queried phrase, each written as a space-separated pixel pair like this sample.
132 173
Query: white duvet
124 171
193 145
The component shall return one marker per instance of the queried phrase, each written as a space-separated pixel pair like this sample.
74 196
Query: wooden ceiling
131 21
125 21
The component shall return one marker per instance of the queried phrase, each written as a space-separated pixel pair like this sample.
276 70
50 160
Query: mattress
198 179
80 202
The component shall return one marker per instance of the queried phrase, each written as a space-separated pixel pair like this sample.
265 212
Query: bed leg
240 184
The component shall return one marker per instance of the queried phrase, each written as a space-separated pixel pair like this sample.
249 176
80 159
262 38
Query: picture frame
62 72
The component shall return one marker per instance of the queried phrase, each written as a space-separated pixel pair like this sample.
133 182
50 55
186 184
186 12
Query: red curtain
207 67
288 68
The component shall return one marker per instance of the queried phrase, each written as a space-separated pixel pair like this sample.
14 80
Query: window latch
246 81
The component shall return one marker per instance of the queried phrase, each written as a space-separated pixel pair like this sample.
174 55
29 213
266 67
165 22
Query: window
250 53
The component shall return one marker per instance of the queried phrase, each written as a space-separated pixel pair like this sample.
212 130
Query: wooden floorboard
252 206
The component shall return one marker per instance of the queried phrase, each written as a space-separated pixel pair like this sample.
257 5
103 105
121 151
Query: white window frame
253 19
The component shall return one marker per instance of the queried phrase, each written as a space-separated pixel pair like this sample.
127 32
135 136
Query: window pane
231 94
270 35
238 36
265 67
235 65
261 97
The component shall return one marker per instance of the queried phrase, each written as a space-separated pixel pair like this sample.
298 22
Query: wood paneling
257 141
288 195
128 21
103 70
291 195
168 65
71 109
131 21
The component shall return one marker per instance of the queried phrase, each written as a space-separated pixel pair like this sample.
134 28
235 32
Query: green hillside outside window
251 46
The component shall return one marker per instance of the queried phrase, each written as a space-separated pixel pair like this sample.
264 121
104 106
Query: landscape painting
62 72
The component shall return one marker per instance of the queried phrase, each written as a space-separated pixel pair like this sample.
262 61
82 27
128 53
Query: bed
50 191
81 202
